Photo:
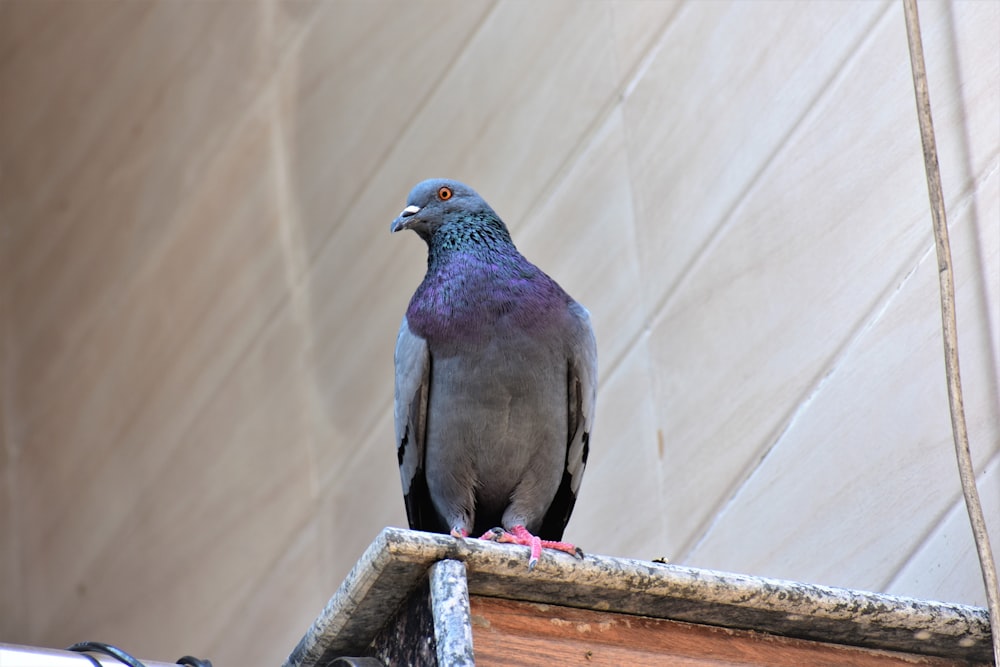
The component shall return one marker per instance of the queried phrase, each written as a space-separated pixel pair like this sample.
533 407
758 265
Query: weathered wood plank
508 632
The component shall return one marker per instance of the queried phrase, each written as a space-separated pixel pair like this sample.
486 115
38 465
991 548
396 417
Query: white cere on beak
409 210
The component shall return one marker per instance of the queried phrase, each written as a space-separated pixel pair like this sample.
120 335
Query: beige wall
200 294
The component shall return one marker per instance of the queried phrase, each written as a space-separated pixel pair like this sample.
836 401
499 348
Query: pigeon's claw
520 535
494 535
459 532
565 547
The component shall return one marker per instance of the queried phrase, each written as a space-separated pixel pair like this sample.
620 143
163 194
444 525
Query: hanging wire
948 322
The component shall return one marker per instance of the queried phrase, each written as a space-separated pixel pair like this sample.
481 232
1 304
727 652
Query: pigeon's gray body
496 373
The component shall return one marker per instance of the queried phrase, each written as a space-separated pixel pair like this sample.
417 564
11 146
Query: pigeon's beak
405 218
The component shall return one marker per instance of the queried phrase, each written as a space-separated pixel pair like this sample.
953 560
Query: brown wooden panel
506 632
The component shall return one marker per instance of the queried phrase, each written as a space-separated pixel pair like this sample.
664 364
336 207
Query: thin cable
83 648
948 323
106 649
193 662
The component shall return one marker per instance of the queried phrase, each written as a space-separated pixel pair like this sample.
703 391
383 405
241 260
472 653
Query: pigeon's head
438 202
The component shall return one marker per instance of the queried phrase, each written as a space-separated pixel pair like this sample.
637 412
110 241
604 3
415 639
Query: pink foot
520 535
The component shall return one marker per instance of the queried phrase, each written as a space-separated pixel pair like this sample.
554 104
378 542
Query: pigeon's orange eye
444 193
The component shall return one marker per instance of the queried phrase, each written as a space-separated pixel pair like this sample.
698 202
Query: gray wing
581 379
413 369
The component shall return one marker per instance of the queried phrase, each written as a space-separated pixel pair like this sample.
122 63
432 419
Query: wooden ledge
396 565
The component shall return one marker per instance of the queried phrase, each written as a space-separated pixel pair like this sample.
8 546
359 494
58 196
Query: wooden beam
507 632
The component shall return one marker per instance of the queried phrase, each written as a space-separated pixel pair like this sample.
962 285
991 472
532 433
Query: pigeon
496 376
